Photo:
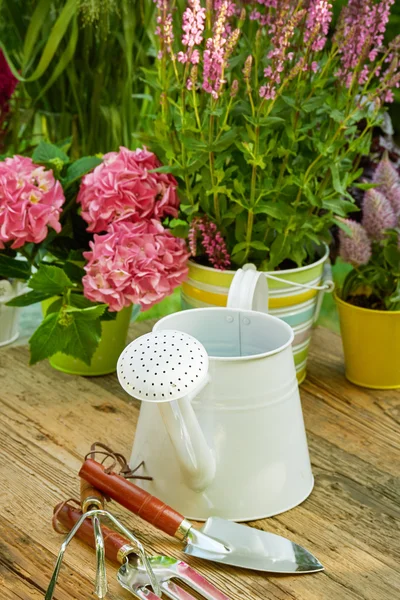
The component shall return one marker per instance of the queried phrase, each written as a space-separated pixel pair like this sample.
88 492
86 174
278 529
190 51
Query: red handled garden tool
132 575
92 533
218 540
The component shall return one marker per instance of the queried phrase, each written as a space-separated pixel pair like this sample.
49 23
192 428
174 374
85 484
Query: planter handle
249 290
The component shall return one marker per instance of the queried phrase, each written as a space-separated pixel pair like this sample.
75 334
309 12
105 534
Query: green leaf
81 338
259 246
55 306
108 316
87 314
339 206
13 268
366 186
29 298
50 280
392 256
74 272
80 167
45 152
189 209
47 339
277 210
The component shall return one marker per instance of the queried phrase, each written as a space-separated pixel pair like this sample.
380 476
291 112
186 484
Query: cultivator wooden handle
90 497
117 547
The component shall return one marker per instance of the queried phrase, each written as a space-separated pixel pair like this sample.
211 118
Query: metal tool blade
243 546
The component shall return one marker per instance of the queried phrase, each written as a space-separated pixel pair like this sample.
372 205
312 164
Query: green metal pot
104 361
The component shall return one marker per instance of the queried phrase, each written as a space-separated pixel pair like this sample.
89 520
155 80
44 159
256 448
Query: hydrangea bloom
134 263
30 202
356 249
122 188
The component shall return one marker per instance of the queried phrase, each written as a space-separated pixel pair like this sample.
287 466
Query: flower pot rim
362 309
282 272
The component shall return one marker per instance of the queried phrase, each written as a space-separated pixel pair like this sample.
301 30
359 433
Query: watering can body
248 414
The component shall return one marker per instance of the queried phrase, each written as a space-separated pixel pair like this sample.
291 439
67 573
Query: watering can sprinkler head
171 368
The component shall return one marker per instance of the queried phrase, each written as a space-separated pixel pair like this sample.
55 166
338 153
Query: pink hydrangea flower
134 263
30 202
122 188
355 249
378 214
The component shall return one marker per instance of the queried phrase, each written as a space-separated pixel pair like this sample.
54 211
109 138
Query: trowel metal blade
243 546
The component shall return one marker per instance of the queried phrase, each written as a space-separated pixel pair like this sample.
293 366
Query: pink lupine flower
359 36
211 241
134 263
122 188
355 249
214 54
279 56
30 202
193 21
319 17
164 28
378 214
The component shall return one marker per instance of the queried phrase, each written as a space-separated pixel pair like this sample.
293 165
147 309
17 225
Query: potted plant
369 299
263 119
94 245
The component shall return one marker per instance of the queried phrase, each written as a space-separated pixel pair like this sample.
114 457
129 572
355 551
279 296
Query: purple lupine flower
7 84
355 249
211 241
378 214
193 20
319 17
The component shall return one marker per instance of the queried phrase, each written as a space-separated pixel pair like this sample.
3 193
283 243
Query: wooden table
351 521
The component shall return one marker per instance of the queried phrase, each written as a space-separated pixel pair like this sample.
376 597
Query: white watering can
220 429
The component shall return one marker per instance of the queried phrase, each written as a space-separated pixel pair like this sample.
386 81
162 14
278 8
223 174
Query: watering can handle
249 290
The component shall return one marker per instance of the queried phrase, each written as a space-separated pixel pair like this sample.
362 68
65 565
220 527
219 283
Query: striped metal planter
295 305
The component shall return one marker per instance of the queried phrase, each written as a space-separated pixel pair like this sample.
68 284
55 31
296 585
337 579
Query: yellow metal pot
371 344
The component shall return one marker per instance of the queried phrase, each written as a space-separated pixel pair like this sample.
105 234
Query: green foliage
273 174
79 65
380 278
72 323
13 268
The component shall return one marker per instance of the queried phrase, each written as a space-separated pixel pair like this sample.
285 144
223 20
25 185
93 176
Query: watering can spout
195 458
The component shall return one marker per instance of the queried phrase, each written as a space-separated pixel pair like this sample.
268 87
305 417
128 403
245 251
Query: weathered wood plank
351 521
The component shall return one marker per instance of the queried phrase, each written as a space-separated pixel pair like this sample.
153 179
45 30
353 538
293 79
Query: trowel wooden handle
116 546
90 497
135 499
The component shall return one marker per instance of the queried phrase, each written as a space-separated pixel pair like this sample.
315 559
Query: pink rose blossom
122 188
30 202
134 263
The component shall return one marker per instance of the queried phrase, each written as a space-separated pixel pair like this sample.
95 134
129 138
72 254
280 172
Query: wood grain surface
351 521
